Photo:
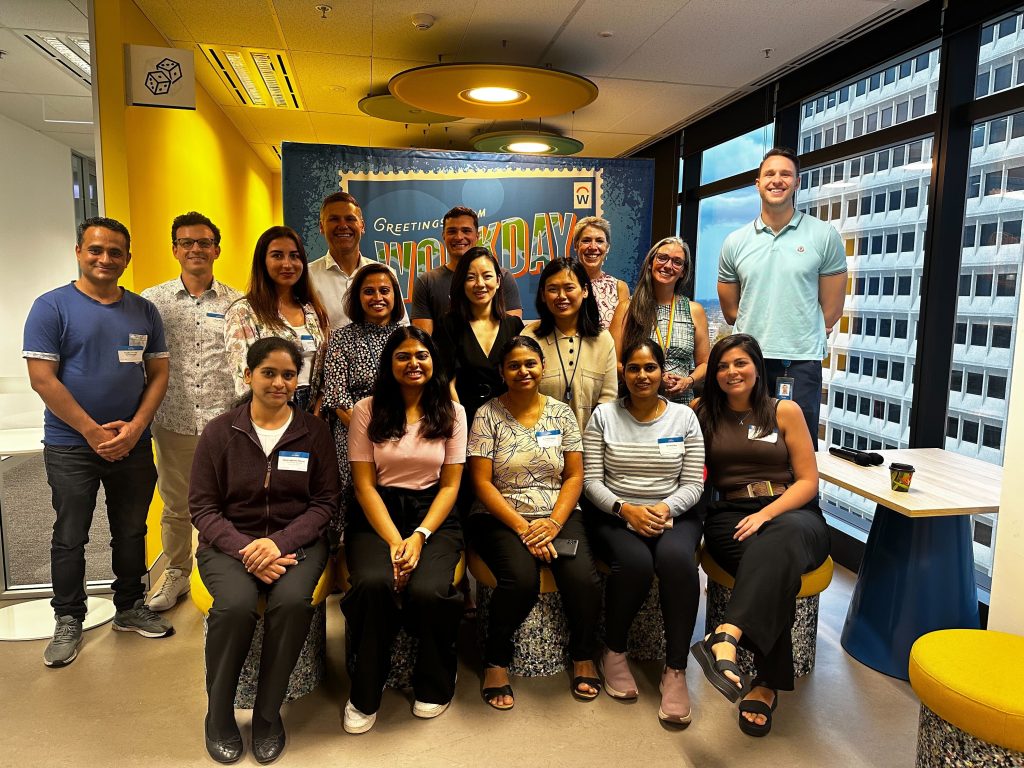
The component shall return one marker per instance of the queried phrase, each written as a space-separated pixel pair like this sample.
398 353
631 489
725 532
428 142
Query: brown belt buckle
753 488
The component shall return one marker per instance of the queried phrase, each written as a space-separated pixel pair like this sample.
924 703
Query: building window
896 373
983 284
894 413
974 383
1001 336
952 426
996 387
970 432
956 380
991 437
979 334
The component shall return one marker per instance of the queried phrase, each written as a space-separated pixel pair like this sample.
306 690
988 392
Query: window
970 432
960 335
997 130
903 283
994 183
974 383
848 440
851 403
858 325
895 199
964 288
892 243
865 406
879 409
970 232
956 381
910 197
899 329
1011 233
867 365
882 369
896 374
869 325
1001 336
888 286
987 233
880 202
952 426
979 334
907 242
991 437
862 443
717 217
1006 284
736 155
996 387
1002 78
837 400
983 284
974 186
894 413
854 364
885 328
873 283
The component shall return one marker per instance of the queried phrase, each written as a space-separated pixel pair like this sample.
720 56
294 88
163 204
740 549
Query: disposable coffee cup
900 476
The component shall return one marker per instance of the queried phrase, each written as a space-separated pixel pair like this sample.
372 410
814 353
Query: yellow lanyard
668 335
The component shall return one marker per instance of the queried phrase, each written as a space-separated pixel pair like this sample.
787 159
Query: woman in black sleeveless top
765 529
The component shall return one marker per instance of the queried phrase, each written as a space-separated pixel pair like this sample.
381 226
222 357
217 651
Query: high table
917 574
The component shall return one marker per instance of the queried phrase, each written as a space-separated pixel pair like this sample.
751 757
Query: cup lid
901 467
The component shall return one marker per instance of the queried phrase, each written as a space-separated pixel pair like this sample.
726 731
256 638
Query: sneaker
356 721
141 619
618 679
427 711
675 698
67 639
174 588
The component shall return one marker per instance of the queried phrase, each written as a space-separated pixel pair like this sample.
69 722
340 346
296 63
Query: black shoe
267 749
225 751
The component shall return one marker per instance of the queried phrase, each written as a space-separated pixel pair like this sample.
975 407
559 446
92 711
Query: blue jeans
74 473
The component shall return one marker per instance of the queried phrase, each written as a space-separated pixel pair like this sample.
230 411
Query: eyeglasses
187 242
664 258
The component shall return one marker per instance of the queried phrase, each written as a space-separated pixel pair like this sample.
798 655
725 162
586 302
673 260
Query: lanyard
668 335
568 379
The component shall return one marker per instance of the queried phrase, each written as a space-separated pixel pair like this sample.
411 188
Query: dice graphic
158 82
171 68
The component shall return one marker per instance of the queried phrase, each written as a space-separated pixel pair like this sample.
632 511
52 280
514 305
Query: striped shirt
643 462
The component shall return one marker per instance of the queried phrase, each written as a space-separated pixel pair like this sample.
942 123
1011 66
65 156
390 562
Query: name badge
670 446
293 461
784 388
138 340
132 354
771 437
215 315
308 343
551 438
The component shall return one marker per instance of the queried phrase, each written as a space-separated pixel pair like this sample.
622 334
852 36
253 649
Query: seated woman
643 460
766 529
525 455
374 305
264 487
407 445
569 331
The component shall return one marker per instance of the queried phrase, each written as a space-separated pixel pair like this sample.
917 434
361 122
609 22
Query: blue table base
917 576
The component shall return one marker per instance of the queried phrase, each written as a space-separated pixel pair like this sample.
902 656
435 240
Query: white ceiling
665 61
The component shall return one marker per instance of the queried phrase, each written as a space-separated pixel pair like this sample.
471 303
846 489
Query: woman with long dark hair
766 528
660 311
581 368
264 487
591 240
280 301
526 459
407 445
644 458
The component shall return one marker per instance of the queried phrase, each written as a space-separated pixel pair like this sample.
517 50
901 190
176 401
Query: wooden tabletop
944 483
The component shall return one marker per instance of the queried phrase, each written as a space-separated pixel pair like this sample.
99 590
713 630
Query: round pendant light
387 107
492 91
527 143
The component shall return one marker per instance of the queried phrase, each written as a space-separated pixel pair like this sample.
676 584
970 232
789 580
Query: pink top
410 462
606 291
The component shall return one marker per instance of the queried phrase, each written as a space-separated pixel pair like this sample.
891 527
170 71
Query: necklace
743 418
565 377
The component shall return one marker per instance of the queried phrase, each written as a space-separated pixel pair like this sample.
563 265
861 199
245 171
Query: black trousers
634 560
767 567
429 607
518 575
806 376
230 628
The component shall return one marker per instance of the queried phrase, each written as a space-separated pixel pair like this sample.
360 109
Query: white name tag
308 343
138 340
771 437
293 461
131 354
551 438
670 446
215 315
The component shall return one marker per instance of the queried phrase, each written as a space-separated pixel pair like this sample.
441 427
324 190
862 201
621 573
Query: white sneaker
427 711
174 587
355 721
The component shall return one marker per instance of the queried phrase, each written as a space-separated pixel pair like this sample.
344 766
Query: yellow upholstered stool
404 648
312 662
541 641
805 625
971 686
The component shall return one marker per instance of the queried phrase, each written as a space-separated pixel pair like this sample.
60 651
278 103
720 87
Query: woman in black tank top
765 529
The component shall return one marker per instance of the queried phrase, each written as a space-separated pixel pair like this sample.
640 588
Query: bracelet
424 532
557 524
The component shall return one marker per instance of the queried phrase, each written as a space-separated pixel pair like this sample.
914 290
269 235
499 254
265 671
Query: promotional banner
528 206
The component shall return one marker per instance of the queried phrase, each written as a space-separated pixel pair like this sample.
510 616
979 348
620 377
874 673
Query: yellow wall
157 163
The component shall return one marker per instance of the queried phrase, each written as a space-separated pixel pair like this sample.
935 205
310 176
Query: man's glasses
664 258
187 242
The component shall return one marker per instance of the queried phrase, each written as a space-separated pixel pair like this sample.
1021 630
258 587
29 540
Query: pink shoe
675 698
618 680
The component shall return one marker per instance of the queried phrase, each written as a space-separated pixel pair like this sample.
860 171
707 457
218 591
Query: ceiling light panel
70 52
257 78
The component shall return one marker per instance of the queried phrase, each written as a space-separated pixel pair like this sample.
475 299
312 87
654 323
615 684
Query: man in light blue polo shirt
782 280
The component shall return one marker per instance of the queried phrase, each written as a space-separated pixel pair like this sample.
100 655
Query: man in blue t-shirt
97 357
783 281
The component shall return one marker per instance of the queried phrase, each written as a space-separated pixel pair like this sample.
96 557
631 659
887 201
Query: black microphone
857 457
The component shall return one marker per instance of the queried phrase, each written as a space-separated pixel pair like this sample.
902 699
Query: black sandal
714 669
490 694
757 707
593 682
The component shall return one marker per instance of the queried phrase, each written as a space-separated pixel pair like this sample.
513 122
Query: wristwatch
617 508
425 531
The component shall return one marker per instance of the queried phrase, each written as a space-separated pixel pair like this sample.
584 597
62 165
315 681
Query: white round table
33 619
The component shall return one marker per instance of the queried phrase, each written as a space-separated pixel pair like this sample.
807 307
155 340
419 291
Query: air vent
67 50
258 78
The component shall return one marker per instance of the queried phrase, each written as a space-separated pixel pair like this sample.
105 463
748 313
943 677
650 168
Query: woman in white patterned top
643 458
592 239
526 461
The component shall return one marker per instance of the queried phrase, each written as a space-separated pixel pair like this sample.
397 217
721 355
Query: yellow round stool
311 667
971 686
805 625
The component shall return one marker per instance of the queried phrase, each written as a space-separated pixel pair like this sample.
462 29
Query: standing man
783 281
431 291
97 357
341 223
200 386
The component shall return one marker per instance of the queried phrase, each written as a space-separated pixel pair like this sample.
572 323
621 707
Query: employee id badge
784 388
215 315
130 354
293 461
771 437
308 343
138 340
550 438
670 446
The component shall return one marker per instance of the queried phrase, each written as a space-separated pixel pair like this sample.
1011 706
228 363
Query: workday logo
582 192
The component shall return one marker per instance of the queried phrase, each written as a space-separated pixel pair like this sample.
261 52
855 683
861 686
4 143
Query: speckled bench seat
805 625
970 684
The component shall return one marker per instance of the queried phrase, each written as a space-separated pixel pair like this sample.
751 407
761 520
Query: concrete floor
128 701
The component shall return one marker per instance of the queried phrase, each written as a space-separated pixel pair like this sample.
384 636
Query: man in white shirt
341 223
200 387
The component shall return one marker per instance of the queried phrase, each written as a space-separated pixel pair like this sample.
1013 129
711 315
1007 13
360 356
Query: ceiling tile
277 125
240 117
637 106
25 69
49 15
267 155
82 143
346 29
163 17
229 22
341 129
